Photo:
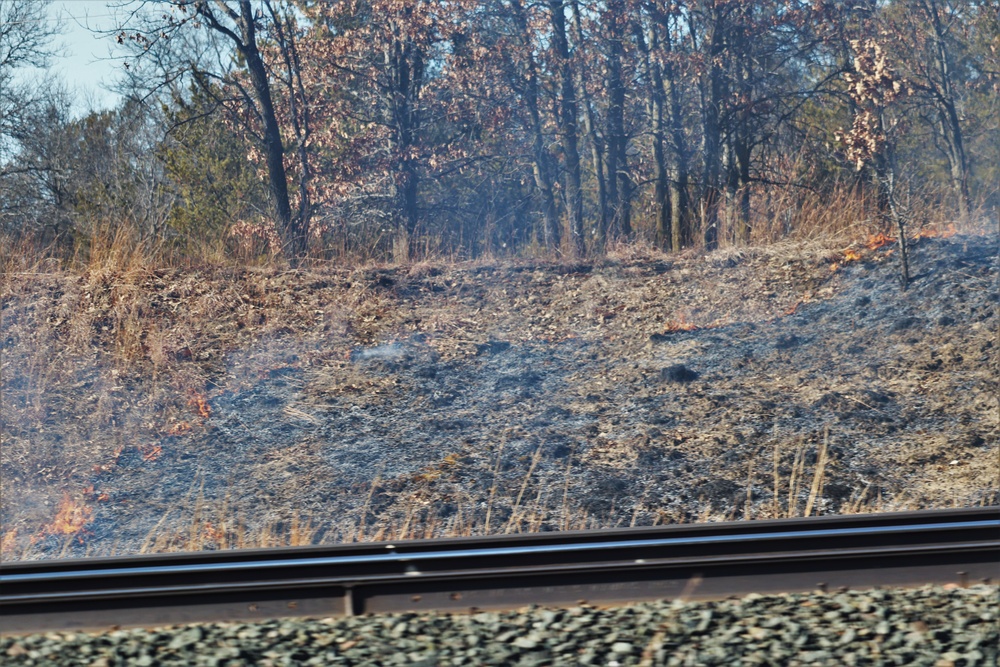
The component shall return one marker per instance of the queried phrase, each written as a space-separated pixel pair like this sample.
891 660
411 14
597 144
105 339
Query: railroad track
698 561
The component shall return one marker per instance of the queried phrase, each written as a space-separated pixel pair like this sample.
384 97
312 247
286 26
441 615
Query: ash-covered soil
217 408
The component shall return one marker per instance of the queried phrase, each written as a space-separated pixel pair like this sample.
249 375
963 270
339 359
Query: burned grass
221 408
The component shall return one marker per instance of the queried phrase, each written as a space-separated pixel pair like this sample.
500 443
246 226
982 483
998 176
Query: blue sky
87 66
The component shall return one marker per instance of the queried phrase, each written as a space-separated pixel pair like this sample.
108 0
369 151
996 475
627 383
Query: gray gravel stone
928 626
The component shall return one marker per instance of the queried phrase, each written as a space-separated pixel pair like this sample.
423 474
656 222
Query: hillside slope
209 409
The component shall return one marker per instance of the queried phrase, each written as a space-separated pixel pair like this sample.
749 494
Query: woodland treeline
402 129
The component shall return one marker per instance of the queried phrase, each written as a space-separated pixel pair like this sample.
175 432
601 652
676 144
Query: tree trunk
540 155
742 138
711 97
676 153
600 226
541 170
619 185
293 240
887 167
654 79
680 221
958 163
599 231
739 175
407 68
568 127
299 115
743 162
900 224
731 178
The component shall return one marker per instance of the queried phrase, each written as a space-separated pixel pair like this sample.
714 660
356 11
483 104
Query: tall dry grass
800 471
790 213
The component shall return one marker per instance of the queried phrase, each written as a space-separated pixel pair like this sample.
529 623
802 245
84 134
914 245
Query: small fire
679 325
70 519
8 542
198 401
178 428
90 493
106 467
150 452
879 240
558 337
212 534
932 232
851 255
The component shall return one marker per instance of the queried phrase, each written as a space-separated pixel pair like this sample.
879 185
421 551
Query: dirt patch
498 397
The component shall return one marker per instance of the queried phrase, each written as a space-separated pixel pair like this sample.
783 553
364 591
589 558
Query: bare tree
931 43
252 81
527 84
876 89
26 34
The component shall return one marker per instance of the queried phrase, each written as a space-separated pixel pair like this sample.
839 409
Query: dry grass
101 308
198 525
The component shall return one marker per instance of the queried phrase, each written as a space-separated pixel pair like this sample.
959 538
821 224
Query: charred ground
156 410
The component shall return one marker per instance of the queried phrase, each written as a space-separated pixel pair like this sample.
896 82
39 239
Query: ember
8 541
178 428
212 534
679 325
150 452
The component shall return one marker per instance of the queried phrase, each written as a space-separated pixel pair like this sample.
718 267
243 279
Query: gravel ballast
931 626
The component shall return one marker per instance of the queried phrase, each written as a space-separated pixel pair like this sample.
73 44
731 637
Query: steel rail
599 567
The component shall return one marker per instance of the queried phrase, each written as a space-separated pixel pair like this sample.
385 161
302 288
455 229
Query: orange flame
178 428
70 519
879 240
212 534
851 255
198 401
932 232
8 542
89 493
794 307
679 325
150 452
